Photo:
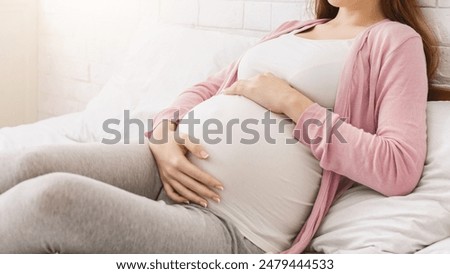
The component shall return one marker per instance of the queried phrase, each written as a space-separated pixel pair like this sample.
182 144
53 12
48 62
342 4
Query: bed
361 221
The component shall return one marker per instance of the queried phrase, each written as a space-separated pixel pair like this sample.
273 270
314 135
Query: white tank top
310 66
270 186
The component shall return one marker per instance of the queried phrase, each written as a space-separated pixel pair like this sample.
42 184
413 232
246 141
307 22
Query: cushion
161 62
364 221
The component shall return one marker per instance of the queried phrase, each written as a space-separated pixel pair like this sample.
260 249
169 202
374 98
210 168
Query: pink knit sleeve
391 160
194 96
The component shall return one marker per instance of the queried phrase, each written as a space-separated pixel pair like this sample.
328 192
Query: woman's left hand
272 93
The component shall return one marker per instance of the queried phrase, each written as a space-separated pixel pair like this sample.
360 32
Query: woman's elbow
404 169
400 188
403 183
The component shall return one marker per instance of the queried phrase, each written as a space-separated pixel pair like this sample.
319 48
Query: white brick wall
80 41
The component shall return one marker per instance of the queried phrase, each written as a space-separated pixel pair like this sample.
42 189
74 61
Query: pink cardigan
380 111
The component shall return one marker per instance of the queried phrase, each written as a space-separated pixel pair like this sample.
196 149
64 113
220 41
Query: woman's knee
47 208
33 162
55 194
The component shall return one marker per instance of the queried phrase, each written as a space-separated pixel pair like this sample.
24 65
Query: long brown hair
404 11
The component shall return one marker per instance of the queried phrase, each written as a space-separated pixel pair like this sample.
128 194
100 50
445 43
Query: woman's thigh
130 167
68 213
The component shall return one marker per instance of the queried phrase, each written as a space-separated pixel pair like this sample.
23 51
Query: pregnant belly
270 181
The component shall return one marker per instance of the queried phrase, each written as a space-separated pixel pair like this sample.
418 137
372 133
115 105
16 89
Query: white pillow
363 221
162 61
441 247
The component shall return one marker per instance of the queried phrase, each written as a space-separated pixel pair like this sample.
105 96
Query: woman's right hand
183 181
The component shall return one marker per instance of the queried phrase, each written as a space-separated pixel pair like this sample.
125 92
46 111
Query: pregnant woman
350 87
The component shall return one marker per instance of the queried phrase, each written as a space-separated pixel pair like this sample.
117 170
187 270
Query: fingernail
219 187
216 199
204 154
205 205
186 202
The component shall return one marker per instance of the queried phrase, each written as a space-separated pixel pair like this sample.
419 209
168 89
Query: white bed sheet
45 132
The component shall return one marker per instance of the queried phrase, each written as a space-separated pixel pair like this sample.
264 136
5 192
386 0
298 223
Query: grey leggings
94 198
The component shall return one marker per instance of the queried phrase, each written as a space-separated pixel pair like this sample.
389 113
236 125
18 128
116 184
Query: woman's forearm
295 104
